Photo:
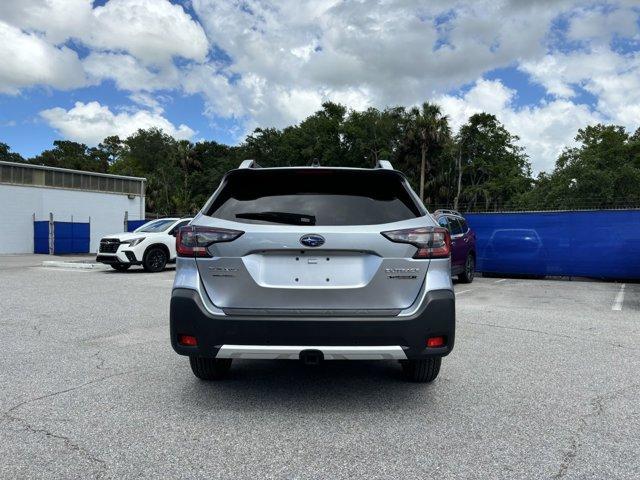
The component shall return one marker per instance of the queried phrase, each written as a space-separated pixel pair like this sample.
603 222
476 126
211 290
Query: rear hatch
312 243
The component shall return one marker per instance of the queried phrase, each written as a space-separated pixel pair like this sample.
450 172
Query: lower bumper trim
107 259
287 352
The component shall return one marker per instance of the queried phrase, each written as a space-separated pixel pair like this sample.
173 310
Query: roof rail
384 164
249 164
447 211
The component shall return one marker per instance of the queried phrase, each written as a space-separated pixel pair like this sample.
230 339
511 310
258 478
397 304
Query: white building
29 192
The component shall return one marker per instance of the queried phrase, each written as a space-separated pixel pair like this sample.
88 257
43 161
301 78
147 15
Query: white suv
151 245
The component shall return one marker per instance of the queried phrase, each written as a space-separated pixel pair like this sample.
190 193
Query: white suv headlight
135 241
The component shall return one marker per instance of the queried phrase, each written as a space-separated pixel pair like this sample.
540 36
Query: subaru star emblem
312 240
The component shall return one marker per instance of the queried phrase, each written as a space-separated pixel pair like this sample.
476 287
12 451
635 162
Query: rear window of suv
314 197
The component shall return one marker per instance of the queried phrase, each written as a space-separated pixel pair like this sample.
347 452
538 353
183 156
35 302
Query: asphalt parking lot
543 383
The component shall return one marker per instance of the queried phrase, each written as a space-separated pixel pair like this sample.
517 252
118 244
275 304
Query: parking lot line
501 280
463 291
617 303
62 269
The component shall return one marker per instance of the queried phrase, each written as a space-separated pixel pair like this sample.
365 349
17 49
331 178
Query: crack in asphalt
550 334
67 390
68 442
505 327
597 408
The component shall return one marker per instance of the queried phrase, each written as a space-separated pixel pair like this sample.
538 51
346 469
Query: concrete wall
19 203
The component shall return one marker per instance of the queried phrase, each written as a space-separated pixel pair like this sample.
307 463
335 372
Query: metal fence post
52 234
126 220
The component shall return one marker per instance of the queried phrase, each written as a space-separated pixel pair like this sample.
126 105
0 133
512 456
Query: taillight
432 242
192 241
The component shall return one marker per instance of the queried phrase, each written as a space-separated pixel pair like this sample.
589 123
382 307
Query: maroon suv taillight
193 241
431 242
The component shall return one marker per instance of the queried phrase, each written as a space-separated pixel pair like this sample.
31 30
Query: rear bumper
188 316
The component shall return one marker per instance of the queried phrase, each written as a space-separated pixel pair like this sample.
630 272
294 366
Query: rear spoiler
250 163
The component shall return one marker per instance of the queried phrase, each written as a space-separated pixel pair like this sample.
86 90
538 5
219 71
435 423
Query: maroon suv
463 244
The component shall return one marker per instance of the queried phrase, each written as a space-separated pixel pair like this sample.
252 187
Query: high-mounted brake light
193 241
431 242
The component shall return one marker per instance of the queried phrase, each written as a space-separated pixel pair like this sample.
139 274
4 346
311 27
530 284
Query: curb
77 265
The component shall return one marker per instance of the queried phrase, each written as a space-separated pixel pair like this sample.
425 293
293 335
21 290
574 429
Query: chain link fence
563 206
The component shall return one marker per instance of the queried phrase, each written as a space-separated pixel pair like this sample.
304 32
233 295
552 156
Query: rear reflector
188 340
435 342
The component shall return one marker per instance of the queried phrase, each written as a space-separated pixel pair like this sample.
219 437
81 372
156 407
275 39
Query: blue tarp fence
133 224
603 244
68 237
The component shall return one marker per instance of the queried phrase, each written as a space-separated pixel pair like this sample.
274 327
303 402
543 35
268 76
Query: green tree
112 148
493 170
428 128
152 154
189 166
371 135
602 171
73 155
320 136
269 147
6 155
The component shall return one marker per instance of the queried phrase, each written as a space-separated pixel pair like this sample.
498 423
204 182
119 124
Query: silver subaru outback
313 264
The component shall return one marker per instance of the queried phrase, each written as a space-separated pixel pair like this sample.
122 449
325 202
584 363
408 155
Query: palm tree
428 127
187 163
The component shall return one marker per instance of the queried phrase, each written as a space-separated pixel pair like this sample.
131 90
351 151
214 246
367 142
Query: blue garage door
71 237
41 237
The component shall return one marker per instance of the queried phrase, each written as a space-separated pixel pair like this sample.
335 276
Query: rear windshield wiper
279 217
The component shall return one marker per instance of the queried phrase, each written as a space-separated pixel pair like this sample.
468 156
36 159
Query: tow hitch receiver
311 357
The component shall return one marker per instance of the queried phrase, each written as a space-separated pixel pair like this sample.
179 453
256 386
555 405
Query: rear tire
469 270
210 368
120 267
424 370
155 259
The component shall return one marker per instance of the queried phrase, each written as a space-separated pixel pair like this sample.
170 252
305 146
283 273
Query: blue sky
205 69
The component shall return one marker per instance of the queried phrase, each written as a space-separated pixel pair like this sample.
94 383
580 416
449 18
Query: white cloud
560 73
132 42
91 122
601 24
612 79
147 101
129 73
283 58
154 31
544 130
58 20
290 56
28 60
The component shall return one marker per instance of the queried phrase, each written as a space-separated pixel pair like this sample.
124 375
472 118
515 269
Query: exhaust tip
311 357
